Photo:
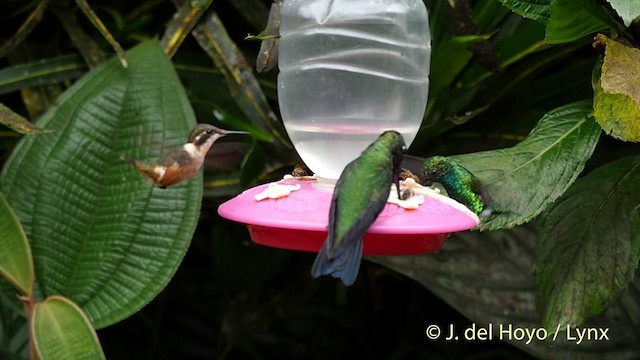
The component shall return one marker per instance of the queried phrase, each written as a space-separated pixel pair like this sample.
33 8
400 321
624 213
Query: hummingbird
184 162
359 197
299 171
460 184
406 174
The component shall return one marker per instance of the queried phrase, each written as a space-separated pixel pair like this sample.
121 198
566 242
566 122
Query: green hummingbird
183 162
460 184
359 197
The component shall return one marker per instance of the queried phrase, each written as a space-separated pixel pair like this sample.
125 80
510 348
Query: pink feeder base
299 221
374 244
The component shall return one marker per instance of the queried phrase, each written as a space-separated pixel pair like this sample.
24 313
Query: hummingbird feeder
349 70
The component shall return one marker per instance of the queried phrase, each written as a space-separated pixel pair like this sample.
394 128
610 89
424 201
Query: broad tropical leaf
538 10
573 19
100 234
589 245
557 147
61 330
16 263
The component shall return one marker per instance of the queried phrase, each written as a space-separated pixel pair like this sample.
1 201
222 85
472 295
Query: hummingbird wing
178 166
359 197
348 224
490 205
174 157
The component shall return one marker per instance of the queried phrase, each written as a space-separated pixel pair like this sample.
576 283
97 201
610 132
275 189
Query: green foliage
46 71
539 10
62 331
558 146
16 263
589 245
14 329
245 89
239 123
182 23
571 20
453 56
96 228
510 98
487 277
17 123
568 20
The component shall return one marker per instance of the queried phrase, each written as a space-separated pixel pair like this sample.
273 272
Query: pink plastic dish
299 221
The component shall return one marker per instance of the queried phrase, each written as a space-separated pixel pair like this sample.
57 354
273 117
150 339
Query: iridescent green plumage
358 198
459 183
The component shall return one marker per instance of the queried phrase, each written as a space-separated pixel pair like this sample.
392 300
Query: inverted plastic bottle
349 70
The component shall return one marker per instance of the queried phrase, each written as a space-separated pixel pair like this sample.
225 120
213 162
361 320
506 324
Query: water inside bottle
349 70
327 153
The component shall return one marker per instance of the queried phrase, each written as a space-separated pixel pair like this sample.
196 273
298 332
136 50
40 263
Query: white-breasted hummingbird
183 162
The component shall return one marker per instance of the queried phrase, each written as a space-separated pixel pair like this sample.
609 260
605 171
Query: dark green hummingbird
460 184
359 197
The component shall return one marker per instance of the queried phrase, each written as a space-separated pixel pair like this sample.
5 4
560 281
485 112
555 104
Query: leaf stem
29 304
95 20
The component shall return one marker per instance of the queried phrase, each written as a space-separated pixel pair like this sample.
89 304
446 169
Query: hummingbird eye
208 131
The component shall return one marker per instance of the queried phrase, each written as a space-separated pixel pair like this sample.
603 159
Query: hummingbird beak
396 180
234 132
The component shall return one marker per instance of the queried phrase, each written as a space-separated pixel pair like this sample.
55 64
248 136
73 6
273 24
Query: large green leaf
538 10
589 245
61 330
100 234
16 263
572 19
526 178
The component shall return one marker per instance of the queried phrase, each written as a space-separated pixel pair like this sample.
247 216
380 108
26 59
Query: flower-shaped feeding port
298 220
349 71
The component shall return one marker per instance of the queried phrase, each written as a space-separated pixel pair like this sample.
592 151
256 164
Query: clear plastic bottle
349 70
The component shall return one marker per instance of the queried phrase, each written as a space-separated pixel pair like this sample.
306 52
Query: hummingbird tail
345 266
146 170
127 159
